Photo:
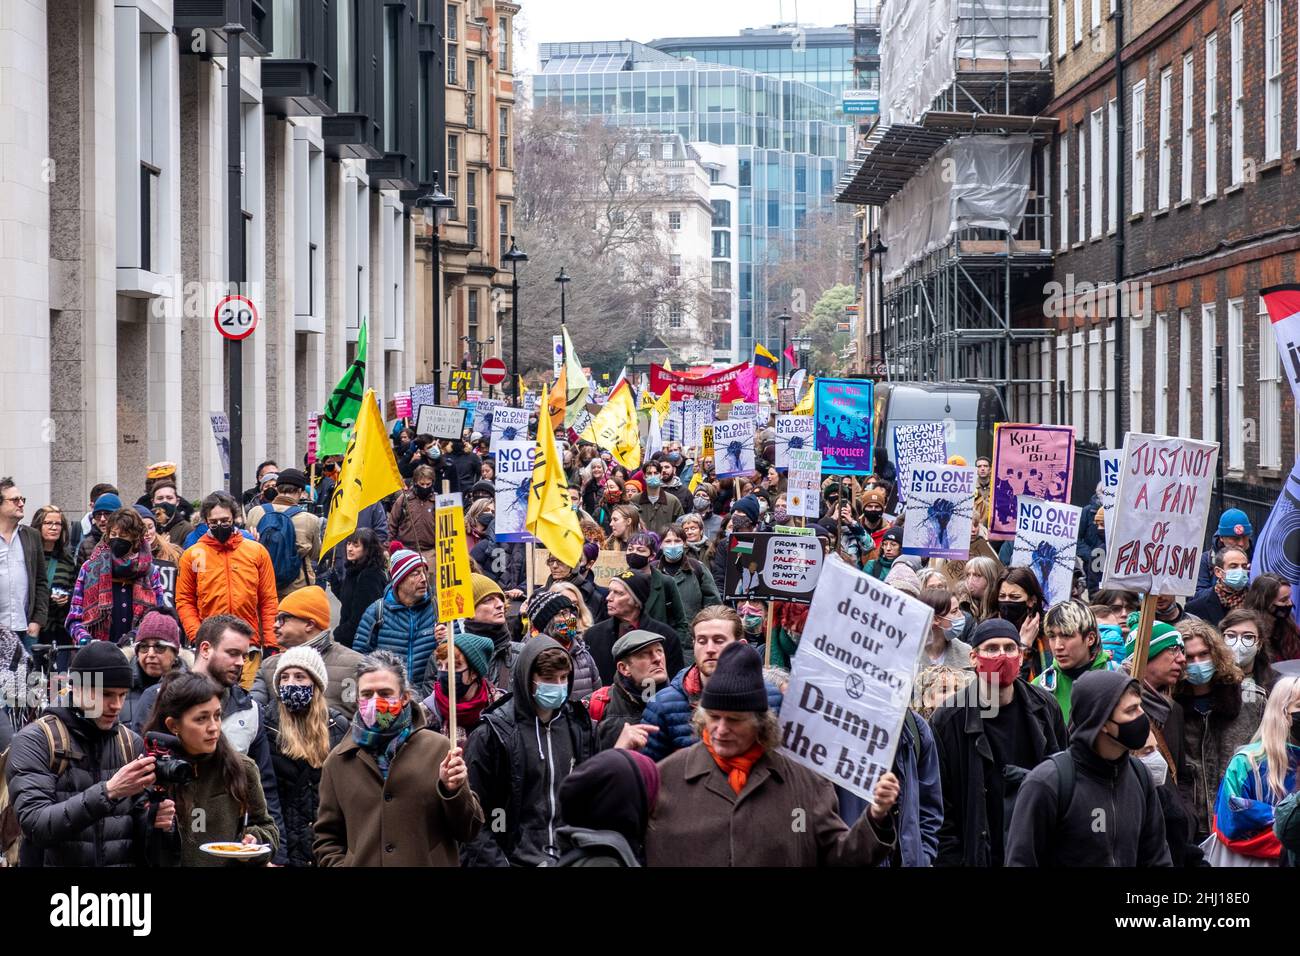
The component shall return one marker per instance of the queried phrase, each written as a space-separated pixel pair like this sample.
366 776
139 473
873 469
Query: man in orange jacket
225 573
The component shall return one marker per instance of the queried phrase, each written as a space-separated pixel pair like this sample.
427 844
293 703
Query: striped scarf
1228 597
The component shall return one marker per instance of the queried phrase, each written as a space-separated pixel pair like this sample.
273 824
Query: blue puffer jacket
406 631
671 712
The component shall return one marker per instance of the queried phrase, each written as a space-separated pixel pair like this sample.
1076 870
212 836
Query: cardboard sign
452 584
939 510
167 569
844 425
803 483
843 711
734 444
1047 533
440 421
608 565
793 433
764 566
785 399
1033 460
921 444
509 424
514 463
1110 462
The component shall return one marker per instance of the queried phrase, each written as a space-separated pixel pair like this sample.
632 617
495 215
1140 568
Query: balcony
210 15
298 76
356 131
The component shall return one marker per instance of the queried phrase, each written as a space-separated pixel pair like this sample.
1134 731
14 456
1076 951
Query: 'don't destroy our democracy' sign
1046 535
843 710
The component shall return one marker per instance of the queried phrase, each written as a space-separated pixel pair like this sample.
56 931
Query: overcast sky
555 21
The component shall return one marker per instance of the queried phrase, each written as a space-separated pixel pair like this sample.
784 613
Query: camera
169 770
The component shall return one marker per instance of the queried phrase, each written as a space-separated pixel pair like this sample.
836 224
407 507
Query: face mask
565 632
1013 611
296 698
1236 579
120 547
653 481
958 626
1282 613
752 623
674 552
701 504
223 533
872 518
164 511
462 686
636 561
1245 656
1133 734
1156 766
780 515
269 495
674 457
423 492
433 452
380 712
1200 673
1003 669
551 696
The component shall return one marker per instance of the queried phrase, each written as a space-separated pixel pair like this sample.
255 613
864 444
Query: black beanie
106 659
994 627
638 582
737 681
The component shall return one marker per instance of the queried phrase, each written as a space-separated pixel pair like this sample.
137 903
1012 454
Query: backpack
276 533
1065 780
59 743
597 703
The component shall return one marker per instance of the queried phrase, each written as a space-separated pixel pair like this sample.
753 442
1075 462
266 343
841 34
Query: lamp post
474 349
631 356
436 206
236 252
514 255
878 250
563 280
784 318
802 343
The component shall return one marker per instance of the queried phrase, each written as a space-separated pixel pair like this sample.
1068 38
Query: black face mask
1133 734
872 518
1295 727
223 533
636 561
1013 611
164 511
120 547
422 492
269 495
1282 613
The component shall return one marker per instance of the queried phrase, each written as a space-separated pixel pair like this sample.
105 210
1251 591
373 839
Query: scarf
100 572
468 710
736 768
14 664
382 744
1229 598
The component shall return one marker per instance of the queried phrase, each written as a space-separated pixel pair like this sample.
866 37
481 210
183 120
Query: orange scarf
736 768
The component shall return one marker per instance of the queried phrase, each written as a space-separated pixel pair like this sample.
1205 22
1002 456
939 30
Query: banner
843 411
221 432
1283 304
440 421
1047 535
1277 544
454 590
369 474
1034 460
843 710
734 444
717 386
938 514
313 430
514 463
1110 460
483 410
615 429
742 411
763 566
803 483
793 433
921 444
696 416
1154 545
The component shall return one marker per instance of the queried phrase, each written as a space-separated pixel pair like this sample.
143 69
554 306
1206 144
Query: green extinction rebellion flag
345 403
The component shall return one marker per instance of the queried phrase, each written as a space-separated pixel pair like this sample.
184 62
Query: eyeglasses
17 499
281 618
221 524
1244 638
52 524
153 647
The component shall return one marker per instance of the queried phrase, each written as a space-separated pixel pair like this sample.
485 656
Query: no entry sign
493 371
235 317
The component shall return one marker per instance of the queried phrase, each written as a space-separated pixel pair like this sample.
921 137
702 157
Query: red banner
719 386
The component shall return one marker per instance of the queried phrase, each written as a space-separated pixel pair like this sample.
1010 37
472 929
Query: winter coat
1091 544
509 569
123 591
665 604
1059 684
1207 606
586 675
223 819
298 785
232 578
131 713
1210 740
306 532
966 760
416 823
340 664
406 631
1113 817
695 586
580 846
505 652
460 470
1244 812
600 640
671 711
411 520
357 590
700 821
1286 827
658 516
68 818
60 572
624 707
517 764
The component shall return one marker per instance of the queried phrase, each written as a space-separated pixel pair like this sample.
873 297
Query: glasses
228 523
52 524
281 618
1244 638
153 647
17 499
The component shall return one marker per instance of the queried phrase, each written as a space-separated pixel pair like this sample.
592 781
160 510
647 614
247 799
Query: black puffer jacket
69 819
298 784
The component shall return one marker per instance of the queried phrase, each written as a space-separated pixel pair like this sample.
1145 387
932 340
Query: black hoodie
1113 817
606 807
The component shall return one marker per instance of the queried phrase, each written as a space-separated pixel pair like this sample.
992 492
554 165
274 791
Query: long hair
570 590
632 514
1024 579
179 692
306 736
1270 740
991 571
65 534
1226 670
372 555
1260 596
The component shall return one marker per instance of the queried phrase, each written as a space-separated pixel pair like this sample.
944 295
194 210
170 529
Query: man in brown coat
733 800
379 803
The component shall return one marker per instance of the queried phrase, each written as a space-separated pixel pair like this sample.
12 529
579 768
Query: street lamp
878 250
784 318
514 255
563 280
436 206
631 356
802 343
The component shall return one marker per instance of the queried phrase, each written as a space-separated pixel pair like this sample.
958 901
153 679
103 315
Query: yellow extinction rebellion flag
369 474
615 428
550 518
454 588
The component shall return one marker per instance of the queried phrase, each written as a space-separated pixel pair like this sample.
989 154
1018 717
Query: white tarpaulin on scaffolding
973 182
922 41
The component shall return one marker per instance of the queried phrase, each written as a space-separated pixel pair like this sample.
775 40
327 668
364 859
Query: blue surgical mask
958 626
1200 673
673 552
653 481
1236 579
551 696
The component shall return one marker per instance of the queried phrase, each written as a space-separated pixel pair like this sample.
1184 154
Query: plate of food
236 851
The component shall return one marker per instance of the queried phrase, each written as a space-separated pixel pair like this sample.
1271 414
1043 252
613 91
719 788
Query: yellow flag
369 474
615 428
576 384
550 517
454 589
668 364
555 404
805 407
661 405
695 481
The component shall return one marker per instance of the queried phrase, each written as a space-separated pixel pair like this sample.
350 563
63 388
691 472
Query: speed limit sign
235 317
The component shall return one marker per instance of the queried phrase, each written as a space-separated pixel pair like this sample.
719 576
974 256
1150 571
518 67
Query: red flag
789 356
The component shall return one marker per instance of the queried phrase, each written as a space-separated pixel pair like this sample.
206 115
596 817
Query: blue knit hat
1233 523
107 502
477 650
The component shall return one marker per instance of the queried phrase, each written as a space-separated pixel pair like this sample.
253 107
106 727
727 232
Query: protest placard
1034 460
921 444
313 433
1110 461
221 432
939 510
531 402
844 424
766 566
739 410
697 415
483 410
1047 533
440 421
803 482
793 433
852 681
791 529
785 399
514 463
402 404
734 441
706 442
167 569
453 587
421 395
509 424
1154 545
607 566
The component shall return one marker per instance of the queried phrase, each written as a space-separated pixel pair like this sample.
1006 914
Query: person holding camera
77 776
219 798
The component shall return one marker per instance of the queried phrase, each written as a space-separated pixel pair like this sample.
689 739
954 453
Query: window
452 54
675 221
715 174
1078 22
503 227
471 208
1185 157
1059 410
1083 179
1135 377
453 21
1209 375
1270 394
1237 101
1111 439
1272 79
722 212
721 244
1094 209
503 137
1236 385
1077 358
453 174
666 151
647 218
1139 146
471 316
1094 385
722 275
1063 153
503 45
1160 394
392 29
1184 374
675 266
1211 115
675 315
1166 140
309 229
1060 28
1096 14
471 92
1112 166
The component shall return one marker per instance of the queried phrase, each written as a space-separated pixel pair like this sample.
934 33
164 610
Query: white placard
940 504
1047 533
803 482
514 463
793 432
920 444
509 424
733 447
440 421
483 411
1110 462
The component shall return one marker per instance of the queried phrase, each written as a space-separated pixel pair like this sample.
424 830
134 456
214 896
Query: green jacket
1059 684
221 819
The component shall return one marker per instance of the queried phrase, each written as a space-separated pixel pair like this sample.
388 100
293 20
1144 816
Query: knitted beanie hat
403 563
1163 637
107 660
156 626
309 659
737 681
484 586
544 605
477 650
637 582
310 604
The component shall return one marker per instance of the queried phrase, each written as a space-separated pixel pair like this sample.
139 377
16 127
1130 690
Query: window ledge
1160 212
1078 245
1095 239
1234 188
1263 472
1208 199
1135 217
1273 165
1182 204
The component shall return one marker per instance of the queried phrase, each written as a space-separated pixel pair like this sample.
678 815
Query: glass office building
790 138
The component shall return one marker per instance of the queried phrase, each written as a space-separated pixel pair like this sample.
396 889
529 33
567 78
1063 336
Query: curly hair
1226 670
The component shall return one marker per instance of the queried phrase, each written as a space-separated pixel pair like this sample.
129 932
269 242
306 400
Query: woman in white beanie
302 729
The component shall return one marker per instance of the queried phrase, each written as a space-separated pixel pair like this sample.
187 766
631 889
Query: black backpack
1065 780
